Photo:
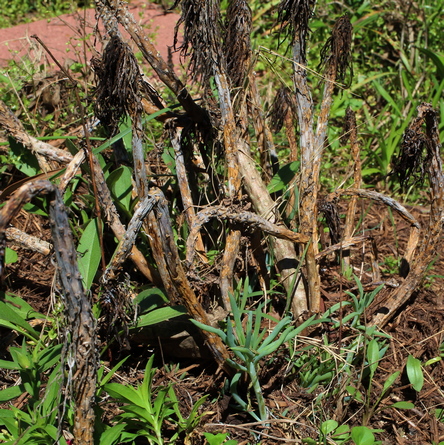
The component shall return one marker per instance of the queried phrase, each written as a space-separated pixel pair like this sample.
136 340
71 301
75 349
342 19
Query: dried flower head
411 164
283 105
237 40
293 16
336 53
202 37
118 78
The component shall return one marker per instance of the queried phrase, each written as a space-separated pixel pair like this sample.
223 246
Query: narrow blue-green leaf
414 373
205 327
159 315
89 253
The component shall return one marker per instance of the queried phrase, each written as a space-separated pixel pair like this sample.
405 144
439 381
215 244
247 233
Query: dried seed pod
330 211
411 164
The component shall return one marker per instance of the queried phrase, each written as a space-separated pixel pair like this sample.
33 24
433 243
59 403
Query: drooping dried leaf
293 16
237 40
411 165
330 211
336 52
118 78
283 104
202 37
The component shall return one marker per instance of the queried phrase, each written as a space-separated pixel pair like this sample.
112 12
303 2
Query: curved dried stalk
249 219
382 199
129 239
82 357
431 235
175 280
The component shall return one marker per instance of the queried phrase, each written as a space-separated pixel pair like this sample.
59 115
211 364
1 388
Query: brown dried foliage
118 77
336 52
237 41
294 16
202 37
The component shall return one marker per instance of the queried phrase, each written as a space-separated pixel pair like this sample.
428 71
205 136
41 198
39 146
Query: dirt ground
416 330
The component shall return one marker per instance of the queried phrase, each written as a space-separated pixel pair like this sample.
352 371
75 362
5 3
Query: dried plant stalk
82 359
175 135
249 219
431 235
112 217
129 239
378 197
15 129
22 239
352 132
283 250
163 242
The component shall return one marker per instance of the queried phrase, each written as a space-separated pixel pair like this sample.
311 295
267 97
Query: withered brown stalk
249 219
352 133
430 236
14 128
175 134
173 275
118 9
81 355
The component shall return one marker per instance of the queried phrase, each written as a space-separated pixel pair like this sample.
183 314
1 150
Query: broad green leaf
150 299
5 364
283 177
10 393
10 315
20 306
89 253
111 436
403 405
389 382
373 356
414 373
328 426
10 256
121 186
355 393
362 435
